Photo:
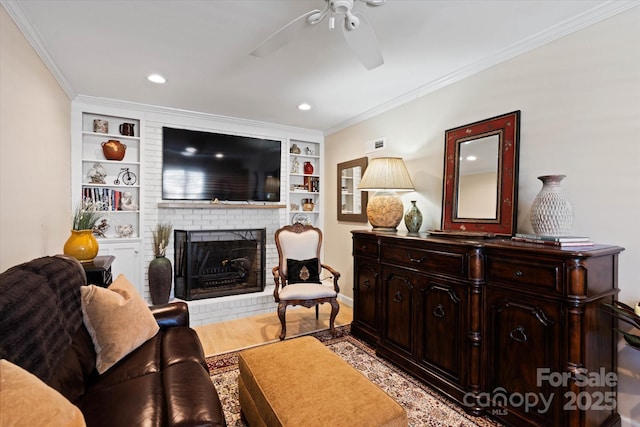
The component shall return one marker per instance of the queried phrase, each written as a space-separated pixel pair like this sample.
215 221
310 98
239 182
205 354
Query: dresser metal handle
518 273
438 311
518 334
416 260
366 284
398 297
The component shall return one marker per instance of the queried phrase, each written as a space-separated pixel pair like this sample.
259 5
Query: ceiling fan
357 32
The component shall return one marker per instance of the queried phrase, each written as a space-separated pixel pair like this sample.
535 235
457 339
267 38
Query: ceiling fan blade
374 3
283 36
364 43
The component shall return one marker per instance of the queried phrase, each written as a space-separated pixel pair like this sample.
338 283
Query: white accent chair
299 251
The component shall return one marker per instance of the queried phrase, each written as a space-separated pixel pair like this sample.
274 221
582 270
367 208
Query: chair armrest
335 275
276 278
171 314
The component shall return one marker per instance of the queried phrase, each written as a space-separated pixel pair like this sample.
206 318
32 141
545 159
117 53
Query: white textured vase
551 211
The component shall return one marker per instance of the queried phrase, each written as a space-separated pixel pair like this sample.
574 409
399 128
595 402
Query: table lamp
385 176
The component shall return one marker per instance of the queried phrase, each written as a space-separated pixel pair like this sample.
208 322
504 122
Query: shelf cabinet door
442 327
127 262
524 335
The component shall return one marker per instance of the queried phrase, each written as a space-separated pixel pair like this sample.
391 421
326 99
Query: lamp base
385 211
385 229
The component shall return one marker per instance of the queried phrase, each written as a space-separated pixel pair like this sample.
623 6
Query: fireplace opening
216 263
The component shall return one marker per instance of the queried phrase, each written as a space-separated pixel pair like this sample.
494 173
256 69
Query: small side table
98 271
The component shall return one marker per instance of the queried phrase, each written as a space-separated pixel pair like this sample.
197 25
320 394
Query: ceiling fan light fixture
304 107
363 42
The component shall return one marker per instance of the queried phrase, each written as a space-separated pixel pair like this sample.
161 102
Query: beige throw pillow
118 320
26 401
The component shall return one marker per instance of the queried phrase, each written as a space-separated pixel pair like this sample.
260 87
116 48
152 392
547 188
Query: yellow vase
81 245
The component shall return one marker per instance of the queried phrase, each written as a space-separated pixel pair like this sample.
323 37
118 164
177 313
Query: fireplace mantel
221 205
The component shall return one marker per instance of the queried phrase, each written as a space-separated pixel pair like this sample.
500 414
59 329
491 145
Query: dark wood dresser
508 329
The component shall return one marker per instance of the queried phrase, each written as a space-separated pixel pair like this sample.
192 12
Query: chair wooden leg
335 307
282 308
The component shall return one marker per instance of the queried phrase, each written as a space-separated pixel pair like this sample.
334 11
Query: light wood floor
247 332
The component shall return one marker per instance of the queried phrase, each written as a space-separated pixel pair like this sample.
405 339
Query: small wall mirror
352 203
481 177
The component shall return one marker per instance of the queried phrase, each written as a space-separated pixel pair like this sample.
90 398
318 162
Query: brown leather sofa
164 382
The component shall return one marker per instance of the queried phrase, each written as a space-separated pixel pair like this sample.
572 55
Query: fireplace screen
215 263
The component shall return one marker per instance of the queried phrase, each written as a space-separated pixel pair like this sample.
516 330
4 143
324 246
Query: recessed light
472 158
304 107
156 78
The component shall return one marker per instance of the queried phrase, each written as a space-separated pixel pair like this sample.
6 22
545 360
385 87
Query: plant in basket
82 244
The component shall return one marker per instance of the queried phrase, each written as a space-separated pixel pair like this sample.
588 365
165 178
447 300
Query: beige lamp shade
386 173
385 176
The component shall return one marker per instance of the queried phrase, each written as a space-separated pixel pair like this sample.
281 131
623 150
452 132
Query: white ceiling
106 48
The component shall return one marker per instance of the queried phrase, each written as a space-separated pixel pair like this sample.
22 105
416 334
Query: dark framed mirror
352 203
480 194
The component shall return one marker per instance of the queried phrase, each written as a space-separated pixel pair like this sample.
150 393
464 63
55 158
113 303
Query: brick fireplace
200 216
218 263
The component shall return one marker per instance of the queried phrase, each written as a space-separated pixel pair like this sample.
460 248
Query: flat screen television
200 165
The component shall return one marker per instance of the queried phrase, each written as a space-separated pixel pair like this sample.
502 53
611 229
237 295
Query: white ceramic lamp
385 176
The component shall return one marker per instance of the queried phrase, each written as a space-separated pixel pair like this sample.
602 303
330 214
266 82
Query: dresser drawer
428 260
522 272
365 247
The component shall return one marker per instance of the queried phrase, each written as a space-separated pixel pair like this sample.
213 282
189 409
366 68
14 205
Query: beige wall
35 179
580 103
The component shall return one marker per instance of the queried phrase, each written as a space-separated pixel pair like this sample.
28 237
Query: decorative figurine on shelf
309 151
295 166
101 228
124 230
97 174
294 149
127 203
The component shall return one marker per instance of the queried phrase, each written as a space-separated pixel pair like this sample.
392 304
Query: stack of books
562 241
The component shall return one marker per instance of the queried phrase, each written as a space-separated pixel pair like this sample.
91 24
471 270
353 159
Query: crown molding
17 13
593 16
290 131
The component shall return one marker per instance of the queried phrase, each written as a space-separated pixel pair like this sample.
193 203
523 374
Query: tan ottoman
300 382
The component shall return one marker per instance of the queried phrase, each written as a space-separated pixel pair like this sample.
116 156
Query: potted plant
82 244
622 311
160 270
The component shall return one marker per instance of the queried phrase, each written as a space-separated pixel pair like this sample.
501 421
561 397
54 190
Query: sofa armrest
171 314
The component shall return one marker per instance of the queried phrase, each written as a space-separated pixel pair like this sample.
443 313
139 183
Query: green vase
413 218
160 272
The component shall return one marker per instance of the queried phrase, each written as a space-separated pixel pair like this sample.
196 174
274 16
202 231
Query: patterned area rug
424 406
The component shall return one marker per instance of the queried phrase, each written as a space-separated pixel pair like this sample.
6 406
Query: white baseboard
348 301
